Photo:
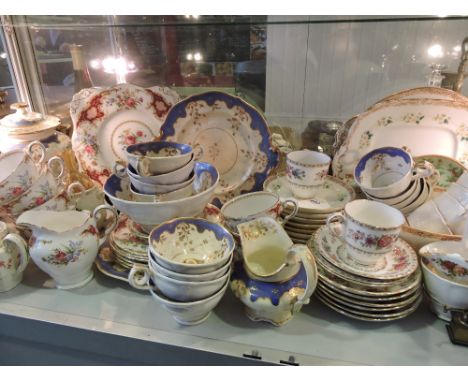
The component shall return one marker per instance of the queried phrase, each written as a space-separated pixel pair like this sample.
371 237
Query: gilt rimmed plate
331 197
429 92
400 262
233 135
106 121
370 293
421 126
364 316
368 306
106 264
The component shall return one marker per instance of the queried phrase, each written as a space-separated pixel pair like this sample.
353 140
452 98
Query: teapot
13 258
276 277
64 244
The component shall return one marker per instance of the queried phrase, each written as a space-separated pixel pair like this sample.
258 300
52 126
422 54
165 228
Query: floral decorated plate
332 196
124 237
359 281
429 92
449 169
106 121
365 316
367 293
348 302
421 126
106 264
233 135
398 263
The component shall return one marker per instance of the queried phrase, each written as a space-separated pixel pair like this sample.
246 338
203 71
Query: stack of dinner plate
389 290
312 213
129 243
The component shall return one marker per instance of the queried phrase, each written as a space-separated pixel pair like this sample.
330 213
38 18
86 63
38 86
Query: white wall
336 70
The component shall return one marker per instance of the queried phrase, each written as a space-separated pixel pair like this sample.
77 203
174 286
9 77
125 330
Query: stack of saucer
312 213
388 290
129 243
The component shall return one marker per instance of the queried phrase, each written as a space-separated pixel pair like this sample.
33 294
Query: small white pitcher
64 244
13 258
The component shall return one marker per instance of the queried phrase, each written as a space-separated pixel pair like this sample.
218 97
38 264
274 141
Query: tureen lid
24 122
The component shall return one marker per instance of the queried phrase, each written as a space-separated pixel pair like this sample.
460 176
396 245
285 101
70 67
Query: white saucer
402 261
331 197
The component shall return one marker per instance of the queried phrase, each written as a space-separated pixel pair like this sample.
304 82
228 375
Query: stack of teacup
27 182
389 175
161 171
365 270
307 193
189 262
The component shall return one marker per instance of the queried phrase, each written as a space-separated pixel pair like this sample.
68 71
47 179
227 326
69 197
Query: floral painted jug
13 258
64 244
277 277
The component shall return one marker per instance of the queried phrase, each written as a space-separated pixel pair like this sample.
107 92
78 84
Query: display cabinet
303 79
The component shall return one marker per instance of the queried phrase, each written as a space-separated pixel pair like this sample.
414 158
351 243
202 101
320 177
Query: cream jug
277 276
64 244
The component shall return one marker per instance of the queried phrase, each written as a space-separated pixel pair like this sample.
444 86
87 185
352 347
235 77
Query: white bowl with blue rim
191 245
188 313
150 214
154 158
173 177
152 264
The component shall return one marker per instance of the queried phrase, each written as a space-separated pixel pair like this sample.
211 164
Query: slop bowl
150 214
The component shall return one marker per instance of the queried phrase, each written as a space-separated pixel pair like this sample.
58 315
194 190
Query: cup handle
295 209
42 149
120 170
302 252
139 277
74 185
60 165
197 151
336 217
97 211
423 170
17 241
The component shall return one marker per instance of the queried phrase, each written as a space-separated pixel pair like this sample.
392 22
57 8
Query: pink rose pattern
371 241
69 254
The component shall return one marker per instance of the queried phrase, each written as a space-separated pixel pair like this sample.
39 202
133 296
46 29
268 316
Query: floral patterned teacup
369 229
18 170
44 188
306 171
64 244
85 199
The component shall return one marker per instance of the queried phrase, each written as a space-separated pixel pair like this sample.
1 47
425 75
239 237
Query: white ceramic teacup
388 171
369 227
306 171
247 207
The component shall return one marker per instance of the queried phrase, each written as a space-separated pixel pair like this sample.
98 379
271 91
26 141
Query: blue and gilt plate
233 135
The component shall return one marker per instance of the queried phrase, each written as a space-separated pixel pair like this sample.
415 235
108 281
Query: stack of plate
389 290
129 243
312 213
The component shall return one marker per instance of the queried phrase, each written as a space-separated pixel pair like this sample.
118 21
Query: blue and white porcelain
191 245
150 214
233 135
176 176
154 158
388 171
